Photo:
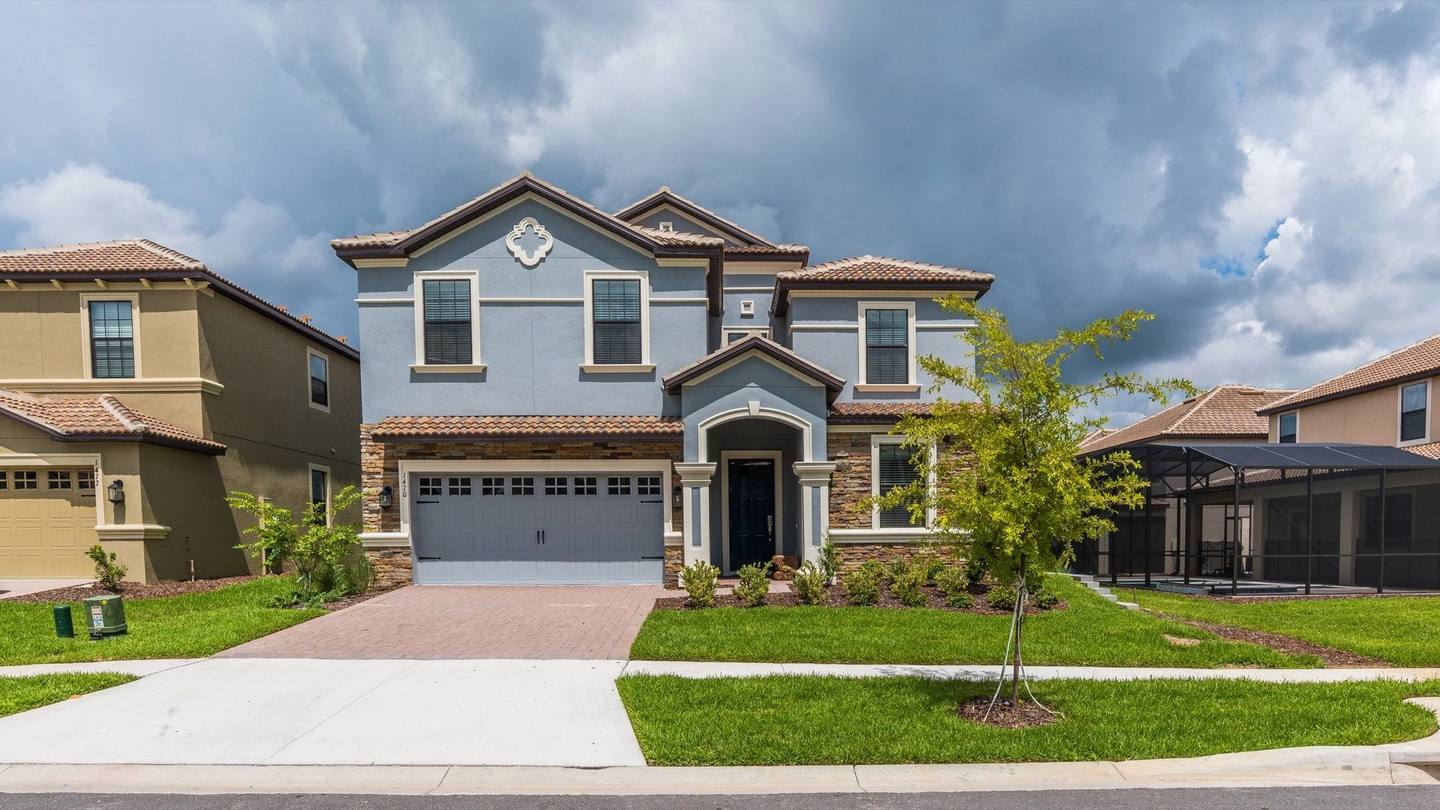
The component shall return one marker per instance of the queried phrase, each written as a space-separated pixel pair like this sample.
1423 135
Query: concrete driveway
245 711
458 622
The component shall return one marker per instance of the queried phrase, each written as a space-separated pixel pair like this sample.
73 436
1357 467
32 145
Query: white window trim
1400 413
726 456
329 489
727 331
589 365
475 364
875 442
329 389
1279 417
912 385
85 299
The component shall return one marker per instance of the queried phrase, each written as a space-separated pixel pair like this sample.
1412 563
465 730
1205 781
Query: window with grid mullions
616 321
447 322
112 339
887 347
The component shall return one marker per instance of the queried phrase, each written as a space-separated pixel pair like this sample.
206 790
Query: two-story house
137 388
554 393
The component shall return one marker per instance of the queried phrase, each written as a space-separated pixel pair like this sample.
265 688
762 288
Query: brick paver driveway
435 622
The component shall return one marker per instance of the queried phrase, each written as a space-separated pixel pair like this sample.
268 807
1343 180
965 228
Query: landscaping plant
862 586
698 579
909 586
952 580
1019 496
108 570
809 584
326 556
754 584
829 560
274 530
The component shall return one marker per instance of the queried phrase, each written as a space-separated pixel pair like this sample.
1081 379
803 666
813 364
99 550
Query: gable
681 222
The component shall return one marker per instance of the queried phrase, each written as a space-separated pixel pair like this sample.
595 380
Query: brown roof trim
781 302
800 257
1297 402
664 196
422 429
675 380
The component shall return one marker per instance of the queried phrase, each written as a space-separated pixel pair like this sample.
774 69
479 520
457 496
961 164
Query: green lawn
1399 629
793 720
22 694
189 626
1090 631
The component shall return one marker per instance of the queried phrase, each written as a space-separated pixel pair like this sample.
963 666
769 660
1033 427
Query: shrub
896 568
754 584
976 569
1001 597
274 531
909 587
952 580
809 585
961 600
875 570
829 560
327 557
862 587
930 564
108 570
1044 598
698 579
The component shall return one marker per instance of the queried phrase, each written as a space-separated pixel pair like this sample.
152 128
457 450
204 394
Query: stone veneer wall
380 467
850 484
851 555
674 564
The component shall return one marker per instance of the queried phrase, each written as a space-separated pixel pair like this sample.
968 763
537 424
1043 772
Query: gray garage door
526 528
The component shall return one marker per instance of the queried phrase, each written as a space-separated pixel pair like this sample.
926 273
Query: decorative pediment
529 258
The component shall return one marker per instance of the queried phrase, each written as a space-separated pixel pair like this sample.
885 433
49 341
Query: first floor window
319 380
616 316
1413 425
894 468
1289 427
320 494
887 346
112 339
447 322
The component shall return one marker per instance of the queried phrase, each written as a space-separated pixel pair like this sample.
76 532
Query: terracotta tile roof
102 418
679 237
664 195
1225 411
869 412
753 342
142 257
743 250
1431 450
881 268
479 427
1416 361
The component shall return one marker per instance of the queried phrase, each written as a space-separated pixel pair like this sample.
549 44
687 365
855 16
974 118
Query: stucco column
695 477
814 506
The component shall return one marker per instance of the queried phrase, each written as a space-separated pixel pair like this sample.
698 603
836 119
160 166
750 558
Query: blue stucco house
554 393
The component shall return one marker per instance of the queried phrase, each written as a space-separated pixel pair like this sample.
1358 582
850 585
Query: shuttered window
112 340
616 317
895 469
447 322
887 347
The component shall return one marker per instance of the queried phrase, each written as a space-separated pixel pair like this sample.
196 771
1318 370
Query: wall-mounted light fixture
677 499
115 493
386 494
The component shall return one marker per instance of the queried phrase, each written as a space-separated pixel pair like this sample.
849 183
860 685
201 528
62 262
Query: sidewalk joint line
337 712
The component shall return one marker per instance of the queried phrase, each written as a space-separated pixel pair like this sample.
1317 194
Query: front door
752 510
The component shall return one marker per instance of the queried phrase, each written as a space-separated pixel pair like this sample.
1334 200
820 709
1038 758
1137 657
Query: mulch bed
1006 714
351 601
1285 644
933 599
132 590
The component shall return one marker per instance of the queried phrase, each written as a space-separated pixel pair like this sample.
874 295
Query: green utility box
64 621
105 616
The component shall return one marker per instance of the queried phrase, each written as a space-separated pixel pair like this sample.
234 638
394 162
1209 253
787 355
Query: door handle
537 537
542 537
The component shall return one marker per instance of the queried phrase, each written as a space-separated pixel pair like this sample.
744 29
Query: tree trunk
1019 627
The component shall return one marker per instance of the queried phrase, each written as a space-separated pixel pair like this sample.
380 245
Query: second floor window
319 380
1413 410
617 321
112 339
887 347
1289 427
447 322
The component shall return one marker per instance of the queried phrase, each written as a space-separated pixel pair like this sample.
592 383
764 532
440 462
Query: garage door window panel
58 479
522 486
26 479
459 486
557 486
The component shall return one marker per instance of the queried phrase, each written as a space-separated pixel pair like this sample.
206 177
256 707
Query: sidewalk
976 672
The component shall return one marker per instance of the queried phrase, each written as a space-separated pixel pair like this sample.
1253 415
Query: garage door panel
491 534
45 531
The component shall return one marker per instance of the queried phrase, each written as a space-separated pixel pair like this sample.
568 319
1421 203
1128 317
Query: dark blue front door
752 510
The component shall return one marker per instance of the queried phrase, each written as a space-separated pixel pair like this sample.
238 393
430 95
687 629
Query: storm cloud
1264 178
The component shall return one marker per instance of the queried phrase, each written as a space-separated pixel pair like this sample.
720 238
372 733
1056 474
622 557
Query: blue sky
1263 177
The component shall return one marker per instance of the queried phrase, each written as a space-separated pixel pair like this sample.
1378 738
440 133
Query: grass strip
1089 631
813 720
23 694
187 626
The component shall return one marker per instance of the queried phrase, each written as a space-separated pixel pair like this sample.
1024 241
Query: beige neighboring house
138 387
1224 414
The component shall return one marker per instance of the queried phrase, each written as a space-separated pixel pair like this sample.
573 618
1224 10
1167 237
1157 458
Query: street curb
1410 763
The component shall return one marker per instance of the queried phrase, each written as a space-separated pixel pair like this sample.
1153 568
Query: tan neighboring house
137 388
1222 415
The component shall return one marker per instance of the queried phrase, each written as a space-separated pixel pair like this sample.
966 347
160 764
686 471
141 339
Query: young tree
1015 496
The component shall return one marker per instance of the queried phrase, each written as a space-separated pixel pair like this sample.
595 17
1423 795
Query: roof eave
663 197
1283 407
781 303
